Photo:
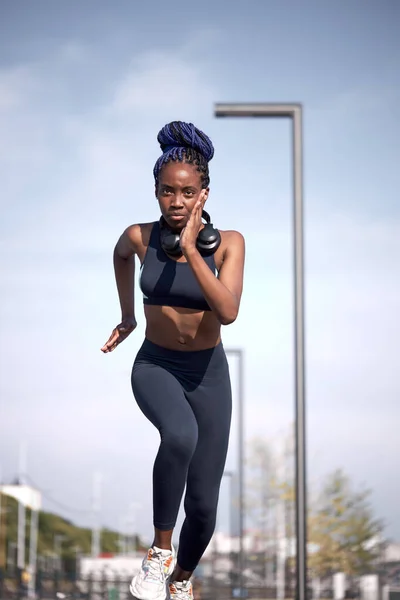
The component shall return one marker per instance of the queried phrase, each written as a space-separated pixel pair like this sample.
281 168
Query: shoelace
156 567
181 591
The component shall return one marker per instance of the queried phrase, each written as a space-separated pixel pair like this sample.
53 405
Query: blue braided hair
185 143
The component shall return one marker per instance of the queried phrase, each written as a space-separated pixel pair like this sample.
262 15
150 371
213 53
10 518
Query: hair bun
179 134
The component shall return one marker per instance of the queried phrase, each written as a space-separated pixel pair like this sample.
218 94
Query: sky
84 90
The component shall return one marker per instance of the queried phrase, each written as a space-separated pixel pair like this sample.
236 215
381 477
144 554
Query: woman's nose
176 200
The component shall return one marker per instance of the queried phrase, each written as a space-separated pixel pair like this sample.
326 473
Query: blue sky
84 89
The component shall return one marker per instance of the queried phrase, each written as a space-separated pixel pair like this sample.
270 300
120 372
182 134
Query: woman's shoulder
232 244
139 233
232 237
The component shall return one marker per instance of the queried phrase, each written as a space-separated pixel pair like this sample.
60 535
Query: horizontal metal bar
255 109
236 351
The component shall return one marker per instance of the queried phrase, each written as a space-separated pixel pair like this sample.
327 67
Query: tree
260 493
343 528
270 496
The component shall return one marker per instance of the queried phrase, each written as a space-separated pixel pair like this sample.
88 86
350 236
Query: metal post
33 552
96 505
230 474
238 352
21 535
21 508
294 112
58 538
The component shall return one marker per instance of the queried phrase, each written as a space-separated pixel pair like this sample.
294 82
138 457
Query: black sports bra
166 282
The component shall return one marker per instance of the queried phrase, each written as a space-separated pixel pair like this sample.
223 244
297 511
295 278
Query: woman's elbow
229 317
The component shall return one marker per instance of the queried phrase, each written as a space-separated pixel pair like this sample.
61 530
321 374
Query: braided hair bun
183 142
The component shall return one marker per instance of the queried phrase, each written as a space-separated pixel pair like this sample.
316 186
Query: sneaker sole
139 597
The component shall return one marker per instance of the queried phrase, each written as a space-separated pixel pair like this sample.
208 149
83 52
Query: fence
113 586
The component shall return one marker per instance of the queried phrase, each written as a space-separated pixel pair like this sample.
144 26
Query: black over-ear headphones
208 238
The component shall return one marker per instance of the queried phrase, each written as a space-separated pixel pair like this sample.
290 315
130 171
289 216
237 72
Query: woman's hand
190 232
119 334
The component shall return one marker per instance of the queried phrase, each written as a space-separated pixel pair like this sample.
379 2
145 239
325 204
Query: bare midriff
181 328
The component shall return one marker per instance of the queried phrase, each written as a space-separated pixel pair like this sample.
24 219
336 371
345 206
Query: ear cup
208 239
169 241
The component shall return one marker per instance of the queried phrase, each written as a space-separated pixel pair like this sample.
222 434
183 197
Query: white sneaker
151 581
180 590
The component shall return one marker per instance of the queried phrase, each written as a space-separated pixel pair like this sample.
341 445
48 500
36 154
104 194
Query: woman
191 277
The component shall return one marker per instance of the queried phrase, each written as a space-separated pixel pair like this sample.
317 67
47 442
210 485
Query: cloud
76 178
87 161
161 80
73 52
351 388
73 182
15 85
363 99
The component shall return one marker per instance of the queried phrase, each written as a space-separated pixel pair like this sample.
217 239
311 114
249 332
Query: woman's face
178 189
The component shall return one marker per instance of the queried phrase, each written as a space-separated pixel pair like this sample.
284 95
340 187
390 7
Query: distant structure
28 498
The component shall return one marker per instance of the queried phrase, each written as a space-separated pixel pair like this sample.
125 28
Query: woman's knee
180 442
202 508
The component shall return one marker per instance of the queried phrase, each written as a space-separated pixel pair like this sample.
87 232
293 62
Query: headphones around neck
208 238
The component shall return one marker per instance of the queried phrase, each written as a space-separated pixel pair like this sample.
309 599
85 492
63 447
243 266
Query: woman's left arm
223 294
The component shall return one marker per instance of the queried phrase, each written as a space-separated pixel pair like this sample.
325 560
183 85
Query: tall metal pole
1 522
238 352
33 551
301 504
21 508
229 474
294 112
241 473
3 528
58 538
96 506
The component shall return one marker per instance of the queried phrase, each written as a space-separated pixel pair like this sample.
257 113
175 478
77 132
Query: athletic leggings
187 396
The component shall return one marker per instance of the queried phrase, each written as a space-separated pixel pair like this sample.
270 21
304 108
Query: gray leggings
187 396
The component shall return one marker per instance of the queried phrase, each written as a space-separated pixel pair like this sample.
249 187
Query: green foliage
72 538
50 525
343 533
260 484
343 527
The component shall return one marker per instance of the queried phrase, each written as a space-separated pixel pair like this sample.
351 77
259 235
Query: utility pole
132 523
1 494
295 113
3 530
21 509
57 550
11 555
78 552
281 524
33 551
96 506
121 536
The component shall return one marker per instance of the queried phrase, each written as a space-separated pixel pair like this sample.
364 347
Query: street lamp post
294 112
238 353
230 475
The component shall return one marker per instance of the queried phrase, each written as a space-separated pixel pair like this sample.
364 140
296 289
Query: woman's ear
205 193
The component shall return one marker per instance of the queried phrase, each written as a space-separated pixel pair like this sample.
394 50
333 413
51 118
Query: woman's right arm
124 269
